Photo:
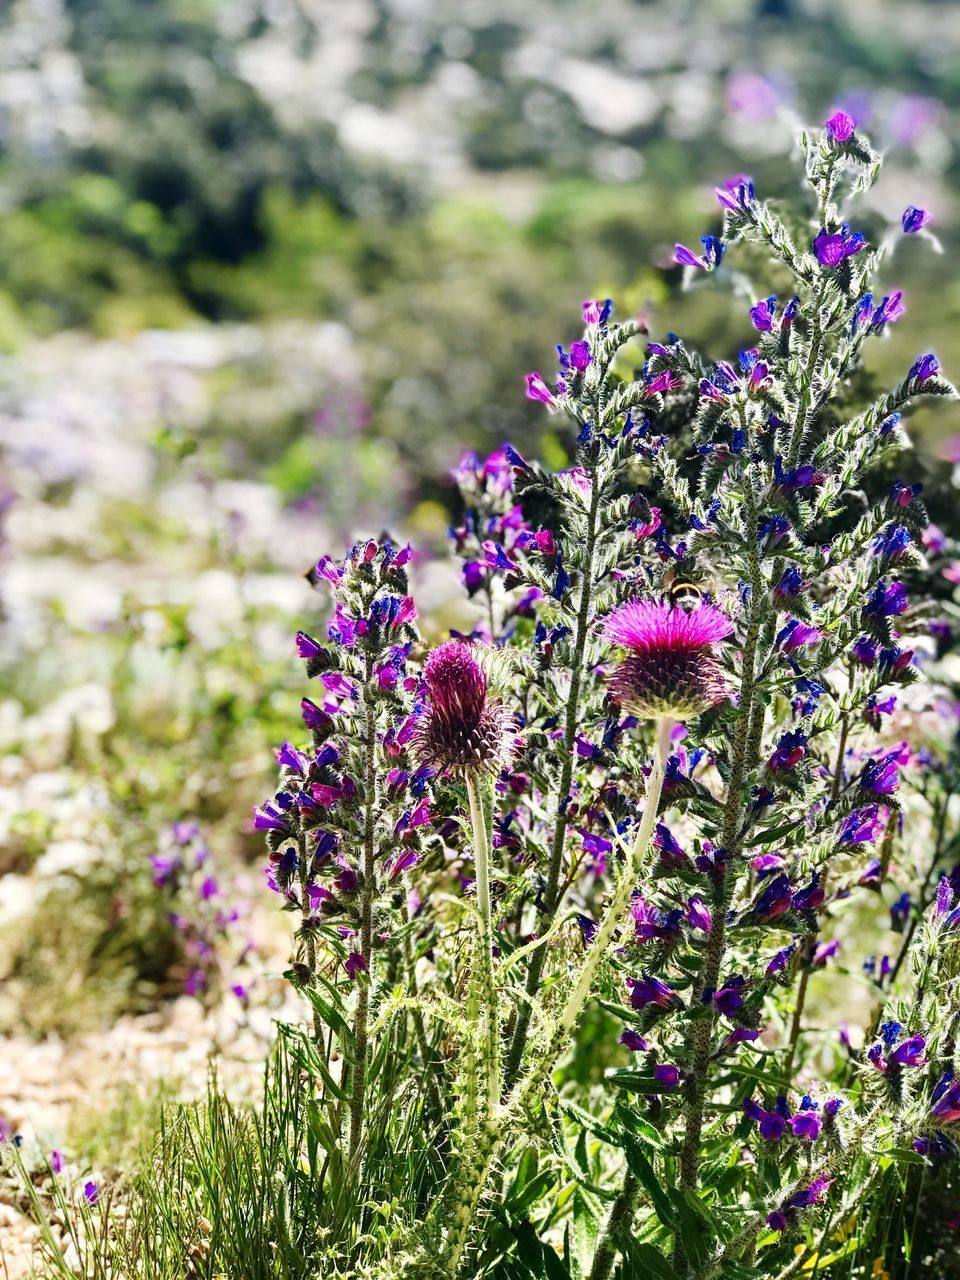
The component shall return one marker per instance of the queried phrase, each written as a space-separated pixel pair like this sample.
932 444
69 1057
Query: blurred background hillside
267 267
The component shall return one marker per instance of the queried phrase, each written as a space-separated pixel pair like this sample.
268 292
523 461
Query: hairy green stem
701 1030
571 724
472 1178
367 895
489 1018
309 942
619 1221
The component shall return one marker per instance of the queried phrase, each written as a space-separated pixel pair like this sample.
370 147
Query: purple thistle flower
914 219
840 127
669 668
462 729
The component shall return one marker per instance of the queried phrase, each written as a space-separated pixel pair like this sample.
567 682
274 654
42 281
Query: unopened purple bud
635 1041
914 219
698 915
667 1075
840 127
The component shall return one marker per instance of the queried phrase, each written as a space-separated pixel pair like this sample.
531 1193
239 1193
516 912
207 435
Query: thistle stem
476 1175
490 1023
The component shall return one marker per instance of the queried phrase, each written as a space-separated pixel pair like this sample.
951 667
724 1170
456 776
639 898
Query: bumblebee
681 593
684 595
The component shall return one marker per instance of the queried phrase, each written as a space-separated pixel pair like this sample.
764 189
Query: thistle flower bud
669 669
462 728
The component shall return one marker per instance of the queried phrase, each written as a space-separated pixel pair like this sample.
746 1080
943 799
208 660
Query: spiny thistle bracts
462 729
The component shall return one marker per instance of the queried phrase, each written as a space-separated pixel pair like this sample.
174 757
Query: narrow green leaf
643 1171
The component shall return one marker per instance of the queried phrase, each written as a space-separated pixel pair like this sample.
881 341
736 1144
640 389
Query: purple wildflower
840 127
914 219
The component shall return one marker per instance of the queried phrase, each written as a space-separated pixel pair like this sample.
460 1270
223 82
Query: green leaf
902 1155
695 1229
772 834
643 1171
645 1260
586 1224
526 1169
634 1082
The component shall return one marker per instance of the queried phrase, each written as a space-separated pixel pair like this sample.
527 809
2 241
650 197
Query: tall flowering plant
661 782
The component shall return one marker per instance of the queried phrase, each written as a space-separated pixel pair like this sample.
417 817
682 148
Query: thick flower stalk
470 735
